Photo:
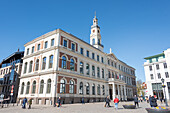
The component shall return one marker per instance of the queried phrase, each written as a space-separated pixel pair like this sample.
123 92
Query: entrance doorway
110 93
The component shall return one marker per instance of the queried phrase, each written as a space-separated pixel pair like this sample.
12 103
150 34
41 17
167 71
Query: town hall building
59 64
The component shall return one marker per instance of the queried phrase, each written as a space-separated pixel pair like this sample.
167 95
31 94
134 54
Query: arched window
49 86
28 88
98 89
81 68
98 41
33 87
109 74
93 41
81 88
62 86
93 89
87 89
22 88
44 63
87 69
30 67
51 61
41 86
71 87
37 65
64 64
25 67
98 72
72 66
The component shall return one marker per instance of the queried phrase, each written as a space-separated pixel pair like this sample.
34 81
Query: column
125 92
118 91
113 91
121 91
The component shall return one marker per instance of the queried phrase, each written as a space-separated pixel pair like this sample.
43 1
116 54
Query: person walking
116 101
107 102
136 101
59 102
29 103
153 102
24 103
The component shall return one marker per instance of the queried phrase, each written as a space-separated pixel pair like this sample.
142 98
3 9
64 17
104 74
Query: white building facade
157 67
58 64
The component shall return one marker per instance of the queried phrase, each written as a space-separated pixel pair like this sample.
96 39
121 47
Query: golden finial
95 14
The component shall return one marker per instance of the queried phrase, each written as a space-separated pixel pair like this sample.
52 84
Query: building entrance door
110 93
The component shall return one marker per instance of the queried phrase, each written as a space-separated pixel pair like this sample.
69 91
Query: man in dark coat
136 101
24 103
107 102
59 101
153 102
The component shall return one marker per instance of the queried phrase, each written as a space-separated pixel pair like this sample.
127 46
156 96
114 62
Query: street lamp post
164 91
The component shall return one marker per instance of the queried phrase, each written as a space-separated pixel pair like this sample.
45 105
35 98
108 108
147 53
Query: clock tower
95 36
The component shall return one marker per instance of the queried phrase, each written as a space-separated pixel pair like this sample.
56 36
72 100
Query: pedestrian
29 103
59 102
136 101
116 101
83 100
24 103
153 102
107 102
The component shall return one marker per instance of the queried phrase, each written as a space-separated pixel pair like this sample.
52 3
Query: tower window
98 31
93 31
93 41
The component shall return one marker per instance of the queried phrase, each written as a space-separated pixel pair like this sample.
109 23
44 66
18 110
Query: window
112 63
71 87
93 42
151 76
52 42
115 65
64 64
49 86
98 72
22 88
157 66
72 65
103 90
87 69
98 39
93 71
93 56
65 43
62 86
73 46
109 74
98 89
44 63
166 75
81 51
159 75
38 48
87 89
25 68
81 68
37 65
30 67
32 49
27 51
112 75
102 73
108 62
46 45
87 53
98 58
165 65
33 87
102 59
150 68
28 88
81 88
41 86
51 61
93 89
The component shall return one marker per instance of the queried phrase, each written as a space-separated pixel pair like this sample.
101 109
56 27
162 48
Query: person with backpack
116 101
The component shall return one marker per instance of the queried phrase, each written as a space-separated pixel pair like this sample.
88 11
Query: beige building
58 64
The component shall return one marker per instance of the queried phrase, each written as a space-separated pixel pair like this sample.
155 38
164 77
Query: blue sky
134 29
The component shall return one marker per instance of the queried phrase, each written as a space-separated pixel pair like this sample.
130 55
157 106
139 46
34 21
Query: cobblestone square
77 108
